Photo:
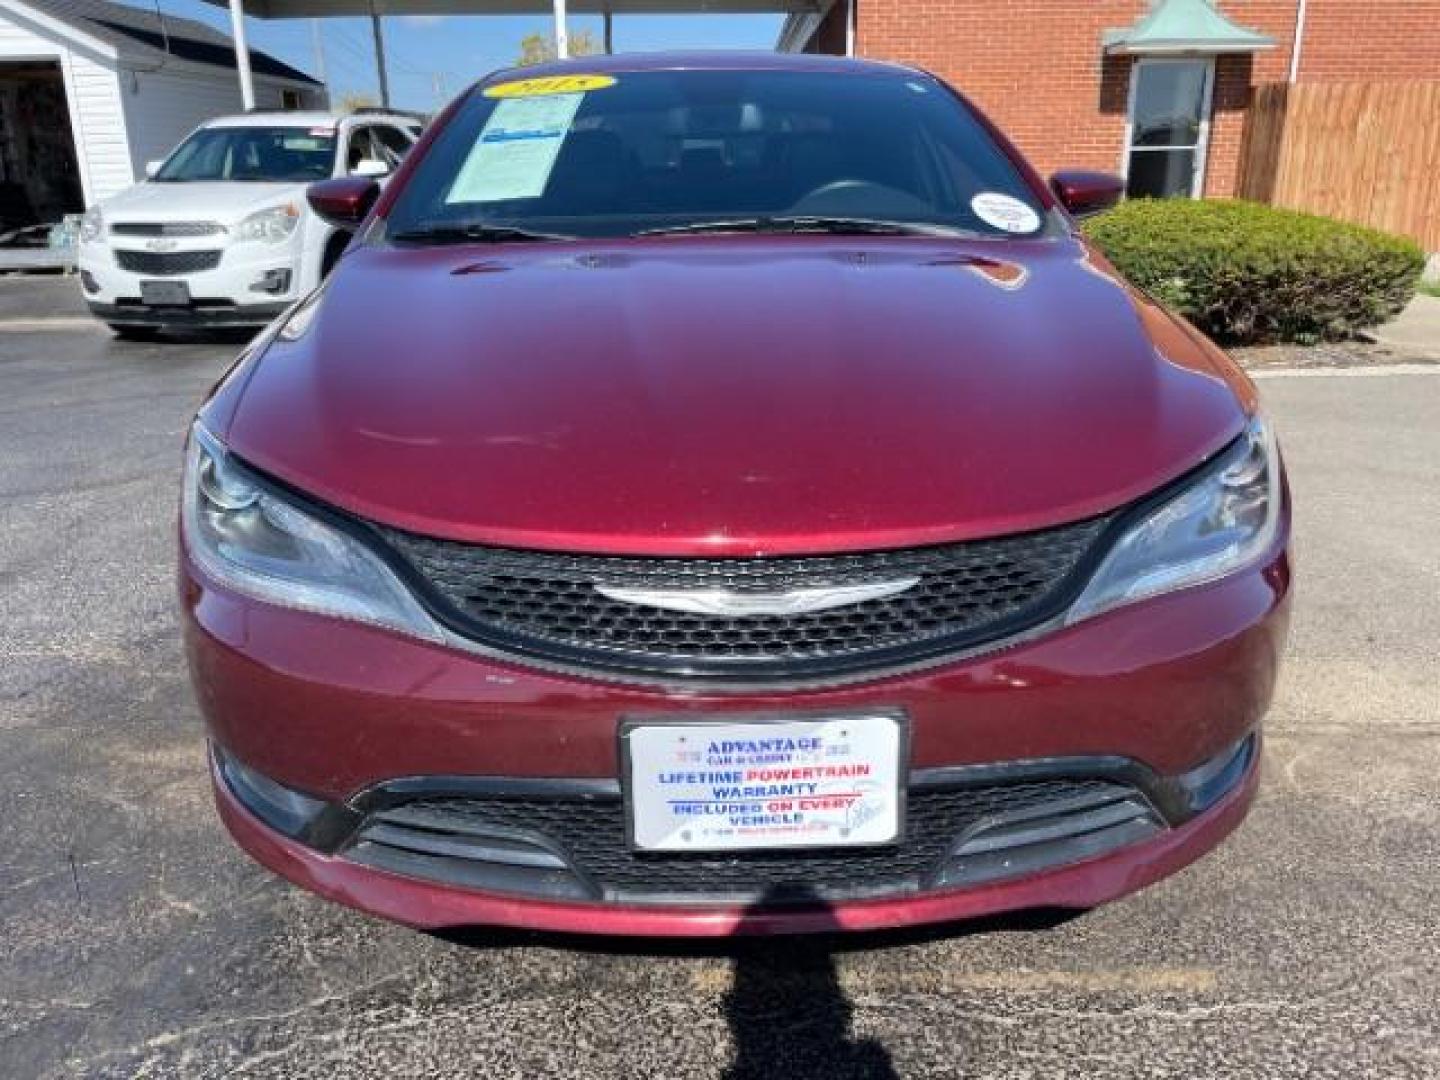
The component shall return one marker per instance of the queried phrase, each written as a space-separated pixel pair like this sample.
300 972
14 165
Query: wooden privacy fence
1362 152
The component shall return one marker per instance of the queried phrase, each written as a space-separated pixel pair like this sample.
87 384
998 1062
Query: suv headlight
1224 521
251 539
92 225
271 226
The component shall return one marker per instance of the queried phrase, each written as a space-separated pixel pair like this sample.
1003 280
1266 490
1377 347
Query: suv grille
577 847
167 264
548 605
166 228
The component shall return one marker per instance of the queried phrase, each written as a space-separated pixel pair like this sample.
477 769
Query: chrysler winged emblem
729 603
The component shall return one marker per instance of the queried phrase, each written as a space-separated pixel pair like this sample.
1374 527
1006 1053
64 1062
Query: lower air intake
575 848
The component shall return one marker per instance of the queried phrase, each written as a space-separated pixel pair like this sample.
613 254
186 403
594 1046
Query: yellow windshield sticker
550 84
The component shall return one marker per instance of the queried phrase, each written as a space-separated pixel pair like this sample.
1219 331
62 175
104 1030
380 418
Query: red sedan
725 494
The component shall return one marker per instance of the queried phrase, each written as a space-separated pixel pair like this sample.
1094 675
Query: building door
1169 127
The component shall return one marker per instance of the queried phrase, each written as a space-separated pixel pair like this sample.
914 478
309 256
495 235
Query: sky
432 58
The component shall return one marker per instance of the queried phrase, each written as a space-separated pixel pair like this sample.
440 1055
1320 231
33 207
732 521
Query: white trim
1202 143
77 127
59 28
1297 46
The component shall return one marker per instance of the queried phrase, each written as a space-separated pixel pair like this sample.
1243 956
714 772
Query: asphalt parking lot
137 941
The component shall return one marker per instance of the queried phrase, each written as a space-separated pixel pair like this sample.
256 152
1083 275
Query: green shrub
1250 274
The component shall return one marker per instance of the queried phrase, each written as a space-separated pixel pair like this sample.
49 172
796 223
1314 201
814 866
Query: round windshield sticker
1005 212
552 84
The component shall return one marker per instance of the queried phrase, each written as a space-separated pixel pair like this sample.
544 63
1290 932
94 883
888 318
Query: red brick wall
1036 66
1371 41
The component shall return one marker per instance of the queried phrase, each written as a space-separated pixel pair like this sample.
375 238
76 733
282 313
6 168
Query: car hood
197 201
732 395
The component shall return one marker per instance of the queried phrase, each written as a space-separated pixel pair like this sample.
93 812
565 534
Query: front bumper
227 295
1079 882
338 711
196 317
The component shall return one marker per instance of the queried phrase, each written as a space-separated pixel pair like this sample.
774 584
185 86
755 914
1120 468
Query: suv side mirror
153 167
370 167
1085 193
345 201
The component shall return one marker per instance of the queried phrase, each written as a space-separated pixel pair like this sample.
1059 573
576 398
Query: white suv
220 235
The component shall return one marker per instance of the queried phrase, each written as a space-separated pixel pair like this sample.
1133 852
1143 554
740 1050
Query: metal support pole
1298 45
850 6
609 33
242 54
379 36
318 42
562 41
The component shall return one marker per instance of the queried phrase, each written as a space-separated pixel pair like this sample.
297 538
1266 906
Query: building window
1169 127
290 99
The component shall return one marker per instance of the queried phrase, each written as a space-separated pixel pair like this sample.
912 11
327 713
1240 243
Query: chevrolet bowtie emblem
729 603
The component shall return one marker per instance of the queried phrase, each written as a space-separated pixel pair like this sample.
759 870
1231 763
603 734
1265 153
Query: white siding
99 122
162 107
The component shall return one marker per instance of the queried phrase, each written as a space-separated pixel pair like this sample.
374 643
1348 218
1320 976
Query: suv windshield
700 151
252 154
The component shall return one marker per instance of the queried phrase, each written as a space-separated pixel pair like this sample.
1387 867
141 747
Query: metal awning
292 9
1184 26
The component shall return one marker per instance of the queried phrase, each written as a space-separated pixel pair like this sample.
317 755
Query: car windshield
252 154
657 152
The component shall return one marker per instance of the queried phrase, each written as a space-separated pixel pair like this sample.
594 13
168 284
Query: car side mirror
1085 193
370 167
345 201
153 167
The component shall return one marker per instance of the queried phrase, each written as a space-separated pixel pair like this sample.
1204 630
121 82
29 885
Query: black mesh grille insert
167 263
166 228
549 603
590 835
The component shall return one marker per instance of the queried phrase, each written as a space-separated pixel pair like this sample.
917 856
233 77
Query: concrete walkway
1416 330
31 260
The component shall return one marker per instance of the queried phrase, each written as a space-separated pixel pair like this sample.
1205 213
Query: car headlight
92 225
251 539
1223 521
271 226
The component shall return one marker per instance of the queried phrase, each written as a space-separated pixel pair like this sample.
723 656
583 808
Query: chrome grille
551 605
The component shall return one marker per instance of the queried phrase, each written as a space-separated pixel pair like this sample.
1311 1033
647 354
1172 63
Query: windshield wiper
472 234
807 223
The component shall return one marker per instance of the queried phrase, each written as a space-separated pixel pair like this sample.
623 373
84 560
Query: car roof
297 119
710 60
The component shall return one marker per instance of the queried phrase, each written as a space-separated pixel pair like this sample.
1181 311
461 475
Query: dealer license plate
165 293
801 783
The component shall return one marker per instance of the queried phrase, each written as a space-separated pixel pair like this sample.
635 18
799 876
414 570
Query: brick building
1156 90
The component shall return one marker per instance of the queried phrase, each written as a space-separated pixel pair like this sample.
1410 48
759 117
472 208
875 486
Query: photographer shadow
787 1012
786 1009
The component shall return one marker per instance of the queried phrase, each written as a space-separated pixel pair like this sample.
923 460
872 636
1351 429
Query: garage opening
39 171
